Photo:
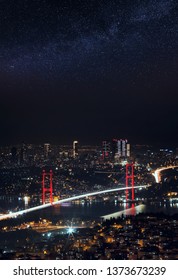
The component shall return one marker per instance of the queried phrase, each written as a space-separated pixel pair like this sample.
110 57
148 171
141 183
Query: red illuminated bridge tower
129 179
47 178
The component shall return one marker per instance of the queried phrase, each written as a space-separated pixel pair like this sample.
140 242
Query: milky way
123 47
56 38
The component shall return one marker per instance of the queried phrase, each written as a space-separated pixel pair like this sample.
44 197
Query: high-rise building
128 150
105 150
121 148
46 150
23 153
75 148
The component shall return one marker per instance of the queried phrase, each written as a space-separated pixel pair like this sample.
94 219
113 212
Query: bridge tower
129 178
47 176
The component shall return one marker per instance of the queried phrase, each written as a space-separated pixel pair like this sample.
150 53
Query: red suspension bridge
47 188
48 176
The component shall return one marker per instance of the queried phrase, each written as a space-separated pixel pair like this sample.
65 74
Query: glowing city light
26 199
157 172
70 230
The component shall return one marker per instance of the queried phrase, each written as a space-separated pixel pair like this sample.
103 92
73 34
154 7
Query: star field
106 62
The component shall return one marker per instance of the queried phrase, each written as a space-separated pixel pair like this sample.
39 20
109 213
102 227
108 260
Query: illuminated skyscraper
46 150
23 153
128 150
121 148
105 150
75 149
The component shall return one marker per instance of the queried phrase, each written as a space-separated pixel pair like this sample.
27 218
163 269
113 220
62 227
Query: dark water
89 210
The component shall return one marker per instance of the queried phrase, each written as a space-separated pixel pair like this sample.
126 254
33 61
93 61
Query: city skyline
88 70
76 202
156 146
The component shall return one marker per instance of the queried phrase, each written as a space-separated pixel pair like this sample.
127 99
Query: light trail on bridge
157 172
35 208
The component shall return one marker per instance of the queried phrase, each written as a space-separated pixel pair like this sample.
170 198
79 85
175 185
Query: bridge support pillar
129 177
47 176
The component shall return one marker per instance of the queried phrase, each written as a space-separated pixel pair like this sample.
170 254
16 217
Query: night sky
89 70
